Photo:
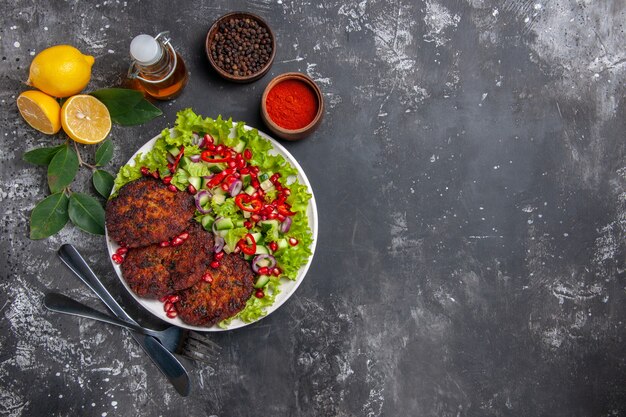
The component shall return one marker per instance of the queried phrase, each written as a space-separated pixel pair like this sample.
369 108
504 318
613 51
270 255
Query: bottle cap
145 50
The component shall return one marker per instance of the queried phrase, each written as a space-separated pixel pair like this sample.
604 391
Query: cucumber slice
174 151
196 182
266 225
282 244
250 190
261 250
257 236
263 177
245 179
207 221
262 281
240 146
224 223
219 198
266 185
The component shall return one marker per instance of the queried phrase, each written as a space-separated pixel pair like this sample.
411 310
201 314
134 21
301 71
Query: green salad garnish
249 198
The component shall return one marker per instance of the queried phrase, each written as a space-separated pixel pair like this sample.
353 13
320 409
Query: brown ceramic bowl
210 38
293 134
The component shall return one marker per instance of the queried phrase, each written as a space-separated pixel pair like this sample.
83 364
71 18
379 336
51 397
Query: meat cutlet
145 212
155 271
207 303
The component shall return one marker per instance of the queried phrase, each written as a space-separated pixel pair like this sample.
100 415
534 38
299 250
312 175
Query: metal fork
193 344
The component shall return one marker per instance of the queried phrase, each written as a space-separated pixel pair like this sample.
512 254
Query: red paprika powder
291 104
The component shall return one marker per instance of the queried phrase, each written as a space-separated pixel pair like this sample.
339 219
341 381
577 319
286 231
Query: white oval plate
287 287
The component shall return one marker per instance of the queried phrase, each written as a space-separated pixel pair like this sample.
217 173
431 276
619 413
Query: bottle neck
161 69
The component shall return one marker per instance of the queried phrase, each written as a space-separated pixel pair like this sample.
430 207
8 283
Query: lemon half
85 119
40 110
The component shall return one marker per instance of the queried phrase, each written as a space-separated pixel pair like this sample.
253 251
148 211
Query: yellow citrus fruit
40 111
60 71
85 119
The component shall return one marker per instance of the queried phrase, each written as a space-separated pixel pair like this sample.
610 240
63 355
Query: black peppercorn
241 47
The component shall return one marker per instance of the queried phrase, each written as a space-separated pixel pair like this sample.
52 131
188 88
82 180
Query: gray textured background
470 179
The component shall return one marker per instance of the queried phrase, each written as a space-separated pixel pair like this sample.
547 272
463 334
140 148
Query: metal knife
167 363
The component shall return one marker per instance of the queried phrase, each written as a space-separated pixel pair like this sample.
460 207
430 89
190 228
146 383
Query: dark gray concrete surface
471 186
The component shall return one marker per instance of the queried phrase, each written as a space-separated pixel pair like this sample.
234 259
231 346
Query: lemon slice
40 111
85 119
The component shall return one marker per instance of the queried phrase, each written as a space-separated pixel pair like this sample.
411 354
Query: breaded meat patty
154 271
145 212
207 303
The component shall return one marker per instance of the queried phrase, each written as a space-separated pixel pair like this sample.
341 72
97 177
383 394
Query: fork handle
70 257
66 305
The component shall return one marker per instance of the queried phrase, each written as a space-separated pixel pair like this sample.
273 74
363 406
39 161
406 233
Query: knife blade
167 363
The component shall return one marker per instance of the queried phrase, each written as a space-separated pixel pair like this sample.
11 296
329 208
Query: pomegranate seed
156 175
164 298
232 164
247 154
237 249
172 188
275 177
219 256
254 169
211 147
192 190
117 258
208 138
220 148
229 171
171 314
184 235
261 192
273 246
207 277
167 306
271 216
122 244
253 175
244 171
167 180
174 298
224 186
248 225
278 186
241 163
177 241
164 244
280 217
121 251
293 241
215 264
264 270
287 192
237 175
276 271
259 293
145 171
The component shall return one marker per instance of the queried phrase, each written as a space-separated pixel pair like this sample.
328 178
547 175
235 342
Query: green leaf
62 169
86 213
104 153
103 181
41 156
127 107
49 216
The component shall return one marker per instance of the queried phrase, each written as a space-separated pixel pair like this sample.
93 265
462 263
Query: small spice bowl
306 93
264 49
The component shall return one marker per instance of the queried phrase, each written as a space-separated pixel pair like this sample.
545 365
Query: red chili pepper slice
177 160
247 244
283 208
206 156
242 199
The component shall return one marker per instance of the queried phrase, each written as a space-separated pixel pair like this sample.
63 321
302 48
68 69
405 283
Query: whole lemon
60 71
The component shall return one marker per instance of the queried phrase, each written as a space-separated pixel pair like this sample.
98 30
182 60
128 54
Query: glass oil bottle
158 69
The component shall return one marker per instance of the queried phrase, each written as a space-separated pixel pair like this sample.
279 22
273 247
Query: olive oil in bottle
158 69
